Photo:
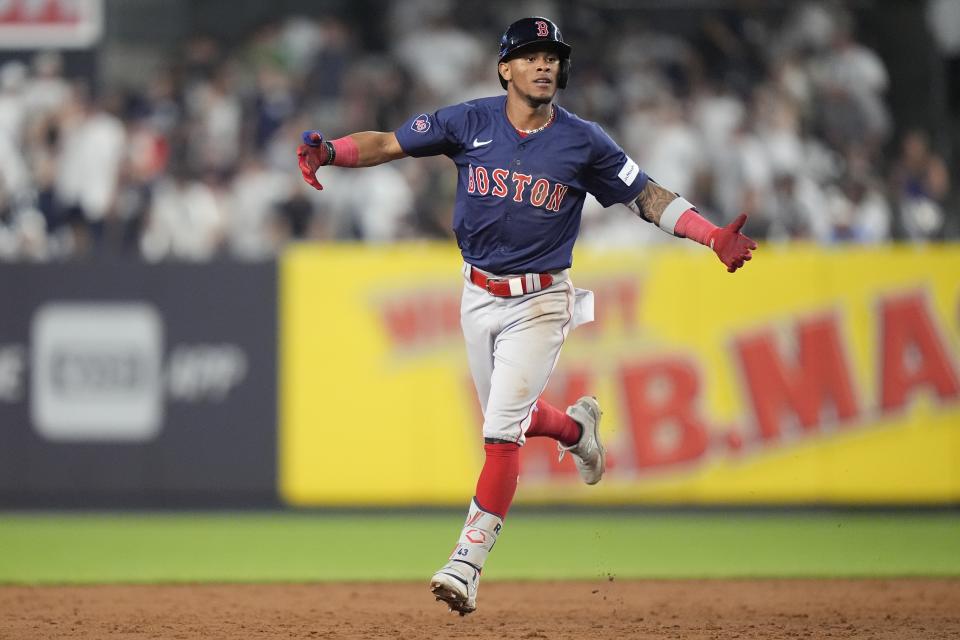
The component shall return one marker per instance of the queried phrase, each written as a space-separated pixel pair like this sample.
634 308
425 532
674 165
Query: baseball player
525 166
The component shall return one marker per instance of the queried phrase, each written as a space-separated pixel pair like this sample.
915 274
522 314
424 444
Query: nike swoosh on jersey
477 143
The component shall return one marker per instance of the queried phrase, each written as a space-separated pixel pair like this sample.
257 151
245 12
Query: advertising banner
137 384
812 376
50 24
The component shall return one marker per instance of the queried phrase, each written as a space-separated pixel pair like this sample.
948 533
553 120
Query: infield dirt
680 609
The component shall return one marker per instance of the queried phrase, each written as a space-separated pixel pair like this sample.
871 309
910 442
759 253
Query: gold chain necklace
530 132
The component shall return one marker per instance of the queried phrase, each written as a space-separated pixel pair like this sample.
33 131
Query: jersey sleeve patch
420 124
430 134
629 172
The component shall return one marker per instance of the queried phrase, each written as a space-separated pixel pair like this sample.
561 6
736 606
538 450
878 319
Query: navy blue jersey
519 199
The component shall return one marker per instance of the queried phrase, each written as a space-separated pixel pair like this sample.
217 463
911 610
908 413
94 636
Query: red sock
550 422
498 478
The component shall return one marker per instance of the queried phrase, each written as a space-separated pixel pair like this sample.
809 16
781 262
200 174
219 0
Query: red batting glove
732 247
312 155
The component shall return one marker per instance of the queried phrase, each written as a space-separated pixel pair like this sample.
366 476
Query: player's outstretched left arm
677 216
363 149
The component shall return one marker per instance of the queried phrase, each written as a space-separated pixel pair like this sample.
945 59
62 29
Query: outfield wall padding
127 384
812 376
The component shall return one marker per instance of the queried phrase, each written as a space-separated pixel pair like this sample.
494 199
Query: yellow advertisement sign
812 376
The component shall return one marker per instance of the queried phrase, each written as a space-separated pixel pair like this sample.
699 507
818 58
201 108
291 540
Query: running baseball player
525 166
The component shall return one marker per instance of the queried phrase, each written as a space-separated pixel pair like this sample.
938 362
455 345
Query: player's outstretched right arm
363 149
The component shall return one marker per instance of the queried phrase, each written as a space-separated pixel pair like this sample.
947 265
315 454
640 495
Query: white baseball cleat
588 454
456 584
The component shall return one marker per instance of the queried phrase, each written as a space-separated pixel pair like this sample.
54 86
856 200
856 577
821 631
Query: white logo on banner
96 371
205 371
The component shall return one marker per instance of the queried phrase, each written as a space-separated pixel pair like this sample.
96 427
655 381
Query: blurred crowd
782 116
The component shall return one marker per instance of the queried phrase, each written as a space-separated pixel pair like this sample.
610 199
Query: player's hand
311 155
732 247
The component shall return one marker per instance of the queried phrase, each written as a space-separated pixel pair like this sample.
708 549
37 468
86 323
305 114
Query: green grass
304 547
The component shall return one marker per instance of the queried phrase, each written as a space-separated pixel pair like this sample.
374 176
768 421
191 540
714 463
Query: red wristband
347 154
694 226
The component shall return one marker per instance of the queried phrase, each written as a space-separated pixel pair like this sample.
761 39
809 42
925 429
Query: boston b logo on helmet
531 31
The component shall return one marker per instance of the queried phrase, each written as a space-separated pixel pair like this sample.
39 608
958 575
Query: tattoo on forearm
653 200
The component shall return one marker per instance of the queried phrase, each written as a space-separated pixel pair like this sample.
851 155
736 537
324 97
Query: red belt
510 287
